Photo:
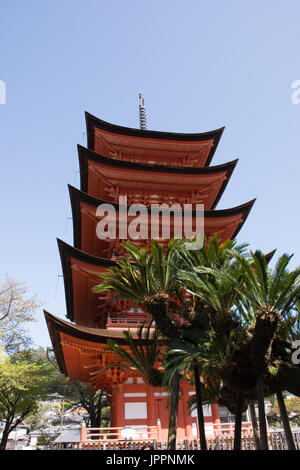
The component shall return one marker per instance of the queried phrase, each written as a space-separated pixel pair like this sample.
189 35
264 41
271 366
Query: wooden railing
140 432
136 432
277 441
228 428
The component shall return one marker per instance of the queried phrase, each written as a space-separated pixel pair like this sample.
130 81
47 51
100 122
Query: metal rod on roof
142 112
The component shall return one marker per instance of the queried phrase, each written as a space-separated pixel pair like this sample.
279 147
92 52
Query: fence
220 429
142 432
277 441
136 432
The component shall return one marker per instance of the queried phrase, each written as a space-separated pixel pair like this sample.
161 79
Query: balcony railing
130 320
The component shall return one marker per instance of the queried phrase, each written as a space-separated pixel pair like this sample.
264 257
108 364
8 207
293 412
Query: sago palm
142 354
215 299
148 278
209 357
215 296
268 296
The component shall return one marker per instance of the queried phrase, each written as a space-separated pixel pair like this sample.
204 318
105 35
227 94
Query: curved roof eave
88 154
93 335
92 122
66 252
76 196
245 208
56 343
85 154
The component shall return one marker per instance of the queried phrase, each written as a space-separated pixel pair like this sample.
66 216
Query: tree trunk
157 305
94 423
200 409
285 421
5 435
261 343
238 422
289 375
254 425
99 408
173 412
262 414
4 439
95 412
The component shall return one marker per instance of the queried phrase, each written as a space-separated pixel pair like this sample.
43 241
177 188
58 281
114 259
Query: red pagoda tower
146 167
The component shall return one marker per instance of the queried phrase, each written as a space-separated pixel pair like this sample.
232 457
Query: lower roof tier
82 353
109 179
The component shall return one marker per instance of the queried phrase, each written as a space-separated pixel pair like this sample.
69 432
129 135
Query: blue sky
199 64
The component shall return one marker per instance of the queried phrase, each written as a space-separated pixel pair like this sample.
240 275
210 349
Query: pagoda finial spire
142 111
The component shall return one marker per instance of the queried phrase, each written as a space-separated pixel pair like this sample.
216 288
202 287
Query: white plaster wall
136 410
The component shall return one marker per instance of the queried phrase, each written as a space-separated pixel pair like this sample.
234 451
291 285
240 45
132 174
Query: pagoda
145 167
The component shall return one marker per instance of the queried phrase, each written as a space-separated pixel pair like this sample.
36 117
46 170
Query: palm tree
211 356
149 279
224 285
285 421
251 408
244 306
215 299
181 357
273 294
142 354
268 296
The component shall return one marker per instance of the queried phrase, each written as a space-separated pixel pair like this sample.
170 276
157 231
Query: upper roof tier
155 147
108 179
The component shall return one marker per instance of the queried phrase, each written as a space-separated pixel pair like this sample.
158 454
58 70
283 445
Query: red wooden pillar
119 408
158 424
151 420
216 418
83 433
